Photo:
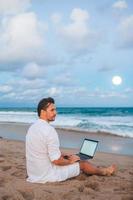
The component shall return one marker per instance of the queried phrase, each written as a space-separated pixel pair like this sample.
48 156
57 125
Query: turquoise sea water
114 120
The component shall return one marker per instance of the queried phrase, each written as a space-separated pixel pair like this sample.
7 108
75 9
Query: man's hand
65 154
73 158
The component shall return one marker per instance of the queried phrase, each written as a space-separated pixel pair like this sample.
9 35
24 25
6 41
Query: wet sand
72 138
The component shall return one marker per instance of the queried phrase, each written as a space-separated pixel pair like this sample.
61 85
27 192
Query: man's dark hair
43 104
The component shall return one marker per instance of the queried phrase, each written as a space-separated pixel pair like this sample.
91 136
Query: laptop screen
89 147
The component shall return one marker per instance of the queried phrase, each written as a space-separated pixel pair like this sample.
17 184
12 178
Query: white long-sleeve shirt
42 147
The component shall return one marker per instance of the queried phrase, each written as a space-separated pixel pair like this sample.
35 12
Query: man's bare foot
109 170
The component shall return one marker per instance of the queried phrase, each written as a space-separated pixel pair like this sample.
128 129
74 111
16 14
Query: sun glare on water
117 80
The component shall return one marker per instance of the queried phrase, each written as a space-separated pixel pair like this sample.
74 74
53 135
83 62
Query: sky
67 49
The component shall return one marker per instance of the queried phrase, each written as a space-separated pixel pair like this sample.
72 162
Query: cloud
79 15
121 4
105 68
56 18
100 94
32 90
129 91
33 71
125 33
27 84
23 90
53 91
63 79
77 36
5 88
21 39
13 6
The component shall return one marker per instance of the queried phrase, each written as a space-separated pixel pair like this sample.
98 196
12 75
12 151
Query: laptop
88 149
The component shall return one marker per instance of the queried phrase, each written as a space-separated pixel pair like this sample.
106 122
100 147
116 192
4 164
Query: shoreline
13 184
72 138
69 129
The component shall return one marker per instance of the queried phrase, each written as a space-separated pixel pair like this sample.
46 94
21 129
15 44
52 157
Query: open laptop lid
88 147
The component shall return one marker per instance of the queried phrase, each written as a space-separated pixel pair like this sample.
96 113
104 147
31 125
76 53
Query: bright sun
116 80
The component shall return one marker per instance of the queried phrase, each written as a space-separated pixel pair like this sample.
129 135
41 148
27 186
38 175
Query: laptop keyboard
83 157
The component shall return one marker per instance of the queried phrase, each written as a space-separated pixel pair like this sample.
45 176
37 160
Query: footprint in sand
85 190
127 197
20 167
131 172
88 190
81 188
68 195
2 159
19 174
81 177
2 182
92 185
6 197
49 197
28 195
5 168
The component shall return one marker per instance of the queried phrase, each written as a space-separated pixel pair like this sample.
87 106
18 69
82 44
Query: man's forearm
62 161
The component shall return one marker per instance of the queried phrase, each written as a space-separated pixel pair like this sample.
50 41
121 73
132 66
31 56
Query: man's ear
43 113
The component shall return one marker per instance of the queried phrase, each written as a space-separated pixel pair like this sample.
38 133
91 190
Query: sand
13 184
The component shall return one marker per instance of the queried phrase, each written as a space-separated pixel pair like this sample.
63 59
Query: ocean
118 121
